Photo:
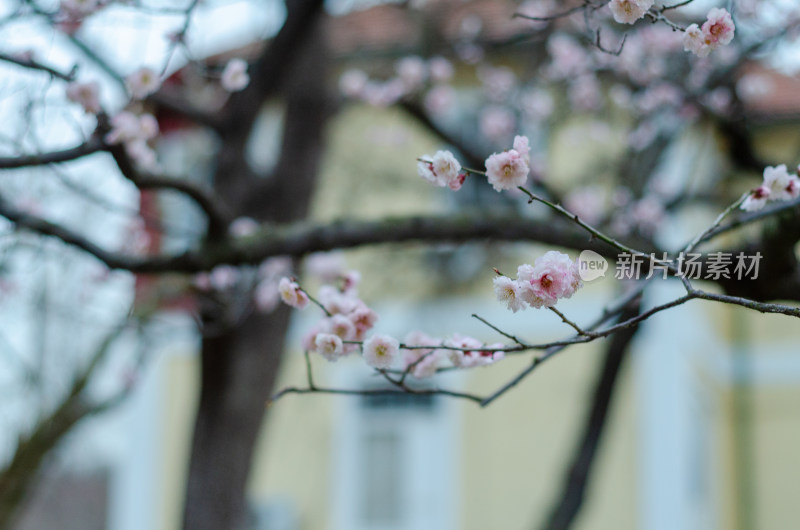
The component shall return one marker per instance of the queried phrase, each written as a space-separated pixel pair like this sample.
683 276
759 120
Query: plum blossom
778 185
422 362
380 351
329 346
782 186
629 11
472 352
133 132
341 326
142 83
440 170
87 95
551 277
717 30
129 127
756 200
695 41
363 319
508 291
523 147
142 155
234 76
507 170
718 27
292 294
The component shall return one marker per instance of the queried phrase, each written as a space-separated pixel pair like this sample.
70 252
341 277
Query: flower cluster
424 354
716 31
629 11
505 170
134 131
347 320
778 185
441 170
551 277
292 294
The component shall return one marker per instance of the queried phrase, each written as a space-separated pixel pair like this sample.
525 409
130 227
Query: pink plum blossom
143 82
129 127
425 361
718 28
782 186
695 41
380 351
522 146
472 352
292 294
439 170
329 346
141 153
629 11
552 276
506 170
234 76
363 319
508 291
87 95
756 200
778 185
341 326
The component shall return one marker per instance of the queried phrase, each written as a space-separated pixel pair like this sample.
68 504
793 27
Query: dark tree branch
218 215
91 146
270 69
19 476
36 65
570 501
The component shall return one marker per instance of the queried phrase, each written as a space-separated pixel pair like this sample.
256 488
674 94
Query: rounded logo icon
591 265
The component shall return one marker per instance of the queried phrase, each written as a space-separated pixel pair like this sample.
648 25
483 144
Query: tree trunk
239 364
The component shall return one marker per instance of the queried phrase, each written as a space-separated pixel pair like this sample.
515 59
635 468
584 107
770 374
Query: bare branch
36 65
91 146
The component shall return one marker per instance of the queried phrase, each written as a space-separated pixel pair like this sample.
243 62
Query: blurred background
689 422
